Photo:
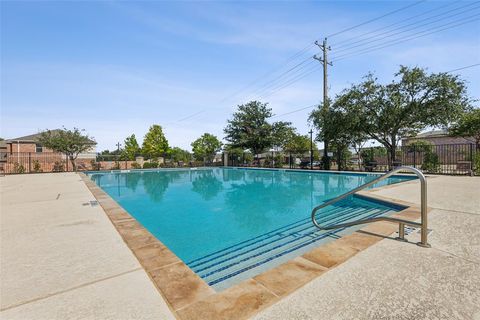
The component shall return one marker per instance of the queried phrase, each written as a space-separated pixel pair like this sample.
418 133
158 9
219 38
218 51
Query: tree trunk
392 155
339 159
325 158
72 161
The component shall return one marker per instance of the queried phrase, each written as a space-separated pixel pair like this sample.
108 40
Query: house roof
429 134
34 137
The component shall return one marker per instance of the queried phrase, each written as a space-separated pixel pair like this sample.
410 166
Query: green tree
234 151
468 126
341 127
282 133
154 143
131 148
412 102
69 142
297 143
205 147
178 154
249 129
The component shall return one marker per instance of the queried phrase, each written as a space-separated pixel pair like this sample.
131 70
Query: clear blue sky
115 68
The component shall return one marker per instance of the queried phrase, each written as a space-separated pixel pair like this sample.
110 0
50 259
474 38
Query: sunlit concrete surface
395 280
61 258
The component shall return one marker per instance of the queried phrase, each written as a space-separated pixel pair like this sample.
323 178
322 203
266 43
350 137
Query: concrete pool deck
54 249
54 244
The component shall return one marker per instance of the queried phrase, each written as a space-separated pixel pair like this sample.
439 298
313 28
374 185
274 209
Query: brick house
30 144
438 137
25 154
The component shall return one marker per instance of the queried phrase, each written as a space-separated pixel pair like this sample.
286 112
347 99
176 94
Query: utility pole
118 147
311 149
324 60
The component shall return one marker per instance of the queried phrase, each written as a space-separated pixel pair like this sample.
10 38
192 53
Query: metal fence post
414 156
29 162
471 159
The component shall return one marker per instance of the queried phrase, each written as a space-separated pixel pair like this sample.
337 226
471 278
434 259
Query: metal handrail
401 232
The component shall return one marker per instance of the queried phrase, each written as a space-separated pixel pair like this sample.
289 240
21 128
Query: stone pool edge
189 297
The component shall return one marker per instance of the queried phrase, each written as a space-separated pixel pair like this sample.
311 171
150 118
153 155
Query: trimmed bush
95 165
152 164
36 166
476 164
18 168
58 167
431 163
136 165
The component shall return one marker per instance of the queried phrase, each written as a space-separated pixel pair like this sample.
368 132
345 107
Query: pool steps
230 262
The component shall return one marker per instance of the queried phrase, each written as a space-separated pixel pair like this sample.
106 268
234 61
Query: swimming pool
229 224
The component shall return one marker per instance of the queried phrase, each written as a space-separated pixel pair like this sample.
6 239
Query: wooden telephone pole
324 60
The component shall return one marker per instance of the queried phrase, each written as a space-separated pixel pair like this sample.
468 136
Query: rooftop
35 137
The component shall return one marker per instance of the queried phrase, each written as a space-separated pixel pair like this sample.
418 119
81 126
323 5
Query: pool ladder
401 228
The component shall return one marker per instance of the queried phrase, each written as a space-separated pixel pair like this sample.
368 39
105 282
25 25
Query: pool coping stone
189 297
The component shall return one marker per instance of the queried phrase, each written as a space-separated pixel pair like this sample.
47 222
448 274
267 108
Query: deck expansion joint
86 284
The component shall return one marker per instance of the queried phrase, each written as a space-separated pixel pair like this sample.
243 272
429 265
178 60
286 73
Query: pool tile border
189 297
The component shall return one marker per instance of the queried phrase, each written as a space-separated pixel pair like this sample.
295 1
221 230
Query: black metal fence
453 159
41 162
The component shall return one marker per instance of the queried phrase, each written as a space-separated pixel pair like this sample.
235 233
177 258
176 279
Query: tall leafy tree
468 126
413 101
339 127
282 132
178 154
205 147
70 142
154 143
297 143
249 129
131 148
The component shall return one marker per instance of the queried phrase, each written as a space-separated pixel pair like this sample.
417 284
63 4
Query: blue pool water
228 224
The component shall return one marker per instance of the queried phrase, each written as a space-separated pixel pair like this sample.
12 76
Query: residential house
438 137
30 144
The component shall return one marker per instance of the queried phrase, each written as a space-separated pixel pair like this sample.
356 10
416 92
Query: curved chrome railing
401 231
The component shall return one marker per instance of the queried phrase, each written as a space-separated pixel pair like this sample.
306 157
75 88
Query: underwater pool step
218 267
278 241
349 204
260 241
244 263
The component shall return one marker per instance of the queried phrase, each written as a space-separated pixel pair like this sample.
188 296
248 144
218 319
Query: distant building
438 137
30 144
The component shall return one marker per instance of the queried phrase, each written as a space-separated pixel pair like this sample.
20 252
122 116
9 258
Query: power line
363 23
387 33
293 111
296 79
281 86
288 79
272 71
315 105
191 116
274 87
375 19
462 68
340 44
297 66
406 38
